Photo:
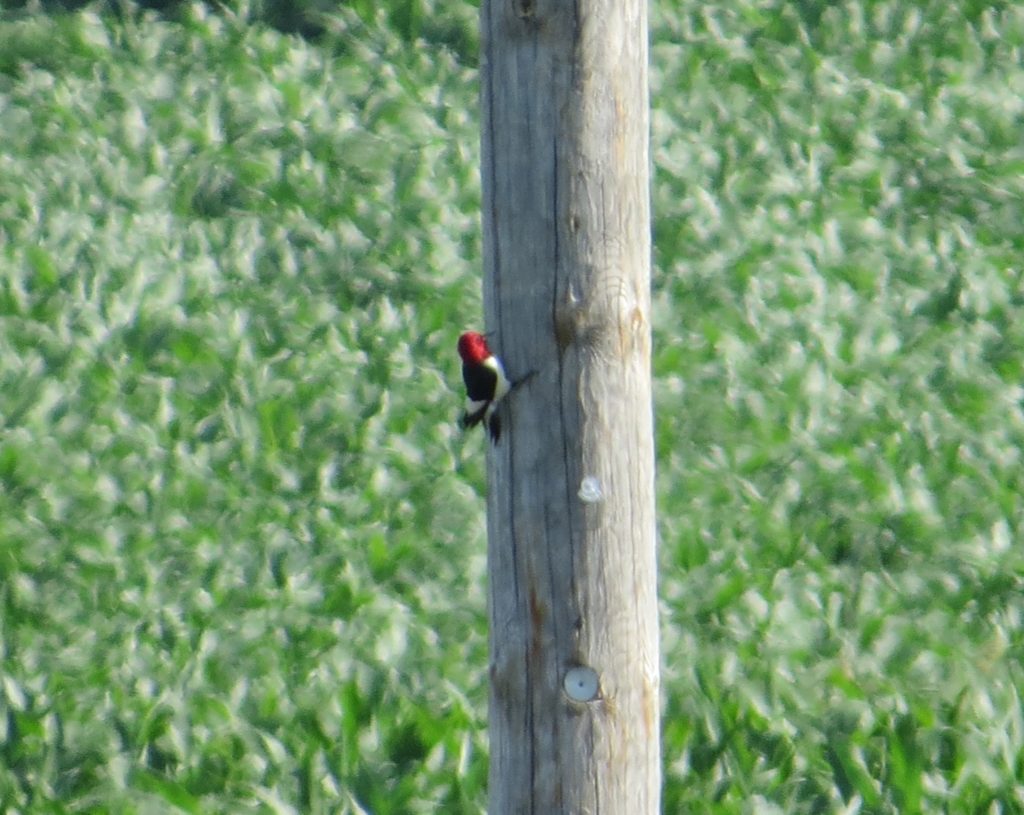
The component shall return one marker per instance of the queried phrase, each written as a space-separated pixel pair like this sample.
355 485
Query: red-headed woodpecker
486 384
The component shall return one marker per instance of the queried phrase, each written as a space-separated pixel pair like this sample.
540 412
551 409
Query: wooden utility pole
574 671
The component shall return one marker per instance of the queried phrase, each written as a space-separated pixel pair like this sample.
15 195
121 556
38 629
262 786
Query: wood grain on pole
571 522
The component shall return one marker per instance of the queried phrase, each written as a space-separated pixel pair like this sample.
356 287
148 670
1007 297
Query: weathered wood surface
566 222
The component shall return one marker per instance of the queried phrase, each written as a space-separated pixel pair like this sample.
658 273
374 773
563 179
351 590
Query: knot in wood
524 9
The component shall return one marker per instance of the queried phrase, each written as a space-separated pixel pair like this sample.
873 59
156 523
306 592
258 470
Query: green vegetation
241 539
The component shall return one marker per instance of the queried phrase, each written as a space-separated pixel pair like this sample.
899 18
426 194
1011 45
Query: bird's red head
473 347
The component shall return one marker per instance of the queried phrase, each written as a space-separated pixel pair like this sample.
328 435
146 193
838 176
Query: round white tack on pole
581 684
590 490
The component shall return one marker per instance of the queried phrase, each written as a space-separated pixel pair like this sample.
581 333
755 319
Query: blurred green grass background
241 540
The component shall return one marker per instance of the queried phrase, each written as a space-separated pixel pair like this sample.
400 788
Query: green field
241 539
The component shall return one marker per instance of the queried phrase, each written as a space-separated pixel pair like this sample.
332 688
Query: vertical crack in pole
531 721
565 341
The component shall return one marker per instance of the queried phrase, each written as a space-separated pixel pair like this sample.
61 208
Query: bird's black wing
480 382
